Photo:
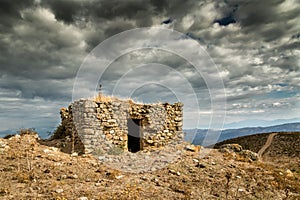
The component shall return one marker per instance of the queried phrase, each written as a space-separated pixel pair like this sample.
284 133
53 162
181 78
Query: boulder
250 155
230 148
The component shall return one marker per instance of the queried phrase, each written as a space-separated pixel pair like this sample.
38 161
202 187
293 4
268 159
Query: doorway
134 142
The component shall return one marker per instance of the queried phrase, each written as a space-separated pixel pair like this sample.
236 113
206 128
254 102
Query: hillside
283 144
30 170
251 142
284 149
198 135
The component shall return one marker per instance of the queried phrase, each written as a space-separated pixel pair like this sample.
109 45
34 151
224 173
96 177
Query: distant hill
43 132
7 132
197 136
283 144
259 123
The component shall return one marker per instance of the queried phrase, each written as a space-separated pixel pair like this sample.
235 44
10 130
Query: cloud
253 43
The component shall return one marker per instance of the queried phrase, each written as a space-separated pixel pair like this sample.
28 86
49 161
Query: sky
253 45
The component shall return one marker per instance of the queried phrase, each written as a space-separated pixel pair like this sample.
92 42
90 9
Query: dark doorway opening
134 135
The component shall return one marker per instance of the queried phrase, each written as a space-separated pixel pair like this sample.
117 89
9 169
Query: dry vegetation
251 142
102 98
30 170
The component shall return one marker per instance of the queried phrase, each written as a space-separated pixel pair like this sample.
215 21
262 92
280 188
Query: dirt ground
30 170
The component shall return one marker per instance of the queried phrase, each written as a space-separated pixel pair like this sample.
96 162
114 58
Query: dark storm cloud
46 89
254 44
266 18
12 8
117 27
99 10
116 8
257 13
66 11
10 11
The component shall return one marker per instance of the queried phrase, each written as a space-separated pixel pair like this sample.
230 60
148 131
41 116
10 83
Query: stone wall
101 124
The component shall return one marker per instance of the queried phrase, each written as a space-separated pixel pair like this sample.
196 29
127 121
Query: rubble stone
96 122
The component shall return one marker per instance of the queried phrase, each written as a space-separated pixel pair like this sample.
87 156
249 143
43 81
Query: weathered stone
150 141
200 165
249 154
112 121
179 124
89 131
116 138
98 122
178 119
193 148
231 148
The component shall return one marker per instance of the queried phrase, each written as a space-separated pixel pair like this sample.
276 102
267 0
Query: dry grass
29 170
101 98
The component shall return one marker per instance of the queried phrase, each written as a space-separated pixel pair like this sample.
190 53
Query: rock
101 158
179 124
109 136
155 180
82 198
111 121
116 137
150 141
119 177
73 176
97 184
46 150
249 154
74 154
89 131
2 145
201 165
62 177
195 160
193 148
280 173
178 119
289 173
241 190
17 136
59 190
230 148
174 172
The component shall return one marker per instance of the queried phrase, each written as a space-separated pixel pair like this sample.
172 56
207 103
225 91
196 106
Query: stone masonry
101 124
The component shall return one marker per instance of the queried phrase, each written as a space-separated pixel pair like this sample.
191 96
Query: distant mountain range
7 132
43 132
259 123
200 136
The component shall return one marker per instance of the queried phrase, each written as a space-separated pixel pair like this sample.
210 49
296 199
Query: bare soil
31 170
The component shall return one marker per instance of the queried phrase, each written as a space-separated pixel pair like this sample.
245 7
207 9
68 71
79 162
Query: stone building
104 123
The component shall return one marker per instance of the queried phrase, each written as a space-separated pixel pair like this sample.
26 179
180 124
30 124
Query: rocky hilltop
31 168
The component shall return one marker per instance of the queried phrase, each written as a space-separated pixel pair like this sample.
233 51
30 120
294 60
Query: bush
59 133
27 131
